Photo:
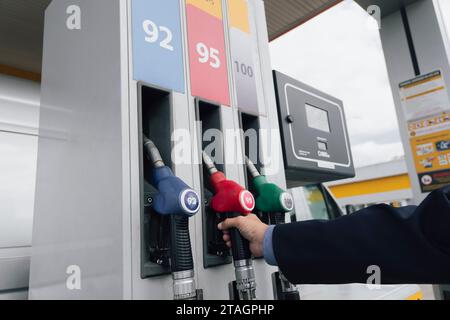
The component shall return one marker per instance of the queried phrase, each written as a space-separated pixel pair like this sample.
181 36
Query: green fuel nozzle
274 201
271 198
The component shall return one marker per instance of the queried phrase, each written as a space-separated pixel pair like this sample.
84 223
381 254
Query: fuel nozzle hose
275 202
231 200
177 200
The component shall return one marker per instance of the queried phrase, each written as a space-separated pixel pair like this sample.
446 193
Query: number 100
244 69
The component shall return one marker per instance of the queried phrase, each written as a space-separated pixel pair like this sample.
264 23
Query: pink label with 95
207 56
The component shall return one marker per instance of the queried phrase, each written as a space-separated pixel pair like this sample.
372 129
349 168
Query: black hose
181 252
291 296
239 245
278 218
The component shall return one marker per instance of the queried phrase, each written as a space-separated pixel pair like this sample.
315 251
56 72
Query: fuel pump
275 202
180 202
232 200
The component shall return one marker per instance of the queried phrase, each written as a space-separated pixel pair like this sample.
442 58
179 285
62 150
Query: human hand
251 228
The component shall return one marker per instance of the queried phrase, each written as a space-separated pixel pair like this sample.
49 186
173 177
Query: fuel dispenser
141 73
274 203
232 200
177 200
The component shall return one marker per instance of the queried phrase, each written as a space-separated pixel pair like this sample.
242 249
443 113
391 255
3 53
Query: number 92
152 32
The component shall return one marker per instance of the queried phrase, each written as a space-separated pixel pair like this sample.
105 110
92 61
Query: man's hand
250 228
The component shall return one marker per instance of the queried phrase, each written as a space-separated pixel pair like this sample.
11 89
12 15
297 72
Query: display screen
323 146
317 118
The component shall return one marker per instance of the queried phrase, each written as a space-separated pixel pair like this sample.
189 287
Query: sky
339 52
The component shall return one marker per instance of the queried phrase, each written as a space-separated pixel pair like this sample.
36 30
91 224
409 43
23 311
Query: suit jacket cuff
269 254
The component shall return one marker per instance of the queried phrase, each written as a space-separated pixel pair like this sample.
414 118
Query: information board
158 43
430 145
241 42
207 53
426 107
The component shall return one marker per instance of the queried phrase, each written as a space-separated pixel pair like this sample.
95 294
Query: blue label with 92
191 201
158 44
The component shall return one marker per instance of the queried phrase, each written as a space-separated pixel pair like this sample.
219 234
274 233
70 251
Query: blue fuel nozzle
174 196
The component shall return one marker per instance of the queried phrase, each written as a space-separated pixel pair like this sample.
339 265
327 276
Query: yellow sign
432 152
417 296
375 186
430 145
213 7
238 15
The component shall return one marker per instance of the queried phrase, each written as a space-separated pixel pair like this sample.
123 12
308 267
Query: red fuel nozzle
230 196
232 200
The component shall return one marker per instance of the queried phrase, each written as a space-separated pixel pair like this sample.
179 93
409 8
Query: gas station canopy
386 6
22 21
285 15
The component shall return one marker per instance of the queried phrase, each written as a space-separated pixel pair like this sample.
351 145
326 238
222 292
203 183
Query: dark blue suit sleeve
410 245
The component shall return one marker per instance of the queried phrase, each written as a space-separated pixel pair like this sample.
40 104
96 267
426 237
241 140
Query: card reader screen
317 118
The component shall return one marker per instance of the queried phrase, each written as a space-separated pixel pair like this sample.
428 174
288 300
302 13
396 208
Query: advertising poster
430 144
426 106
424 96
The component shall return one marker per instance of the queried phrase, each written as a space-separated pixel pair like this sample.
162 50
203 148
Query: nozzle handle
175 197
240 246
291 296
278 217
181 251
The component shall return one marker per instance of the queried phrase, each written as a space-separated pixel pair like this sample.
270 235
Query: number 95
210 55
